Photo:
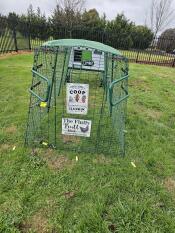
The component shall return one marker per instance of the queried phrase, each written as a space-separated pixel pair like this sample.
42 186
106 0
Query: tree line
69 19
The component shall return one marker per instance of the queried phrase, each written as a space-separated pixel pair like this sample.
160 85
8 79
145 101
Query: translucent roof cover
82 43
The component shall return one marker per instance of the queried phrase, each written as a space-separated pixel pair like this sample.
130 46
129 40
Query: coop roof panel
82 43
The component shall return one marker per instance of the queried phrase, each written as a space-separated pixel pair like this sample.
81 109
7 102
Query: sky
135 10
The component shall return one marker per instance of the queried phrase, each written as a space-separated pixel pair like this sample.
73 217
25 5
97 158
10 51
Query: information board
77 98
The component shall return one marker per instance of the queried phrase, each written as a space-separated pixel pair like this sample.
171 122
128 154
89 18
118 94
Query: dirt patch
155 114
102 160
51 204
5 147
6 55
112 228
11 130
70 139
69 195
158 63
140 84
149 112
37 223
169 184
137 82
55 161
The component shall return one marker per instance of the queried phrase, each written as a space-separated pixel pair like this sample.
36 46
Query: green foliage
166 41
46 190
3 22
119 32
13 19
33 24
38 25
126 35
69 21
141 37
91 19
65 18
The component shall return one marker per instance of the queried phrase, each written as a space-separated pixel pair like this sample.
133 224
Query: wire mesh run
105 75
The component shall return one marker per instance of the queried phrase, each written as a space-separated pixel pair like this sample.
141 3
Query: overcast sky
135 10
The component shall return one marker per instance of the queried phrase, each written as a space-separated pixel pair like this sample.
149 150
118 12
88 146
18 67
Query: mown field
46 190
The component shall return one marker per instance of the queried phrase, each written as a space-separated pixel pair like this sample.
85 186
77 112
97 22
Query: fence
13 40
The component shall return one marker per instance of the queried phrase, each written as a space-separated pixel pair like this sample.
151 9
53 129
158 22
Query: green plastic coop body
78 97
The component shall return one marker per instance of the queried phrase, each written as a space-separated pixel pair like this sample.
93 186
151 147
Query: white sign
76 127
77 98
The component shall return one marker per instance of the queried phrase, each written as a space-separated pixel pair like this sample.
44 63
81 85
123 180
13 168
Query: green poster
86 55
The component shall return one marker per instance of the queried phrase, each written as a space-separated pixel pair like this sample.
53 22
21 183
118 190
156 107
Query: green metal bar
48 88
112 75
53 77
105 76
111 90
119 101
40 75
55 106
62 75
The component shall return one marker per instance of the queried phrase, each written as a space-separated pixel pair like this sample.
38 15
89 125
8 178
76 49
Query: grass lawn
143 56
47 190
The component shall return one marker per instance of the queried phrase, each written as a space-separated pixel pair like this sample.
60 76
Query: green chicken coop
78 97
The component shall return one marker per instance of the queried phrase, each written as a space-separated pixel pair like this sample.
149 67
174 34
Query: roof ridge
83 43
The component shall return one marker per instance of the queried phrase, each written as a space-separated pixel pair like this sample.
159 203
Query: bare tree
74 5
161 13
71 11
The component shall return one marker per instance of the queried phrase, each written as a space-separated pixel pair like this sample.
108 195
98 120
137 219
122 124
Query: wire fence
12 40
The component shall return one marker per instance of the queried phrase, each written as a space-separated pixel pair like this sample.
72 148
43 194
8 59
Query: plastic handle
38 83
111 91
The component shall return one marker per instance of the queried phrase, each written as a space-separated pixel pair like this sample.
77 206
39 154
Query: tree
92 26
142 37
13 20
160 15
23 25
118 32
30 12
92 19
37 22
67 14
166 41
3 23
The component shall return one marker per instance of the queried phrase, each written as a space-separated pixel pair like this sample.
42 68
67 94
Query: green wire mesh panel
56 69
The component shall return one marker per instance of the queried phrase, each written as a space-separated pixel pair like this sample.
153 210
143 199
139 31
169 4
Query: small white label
76 127
77 98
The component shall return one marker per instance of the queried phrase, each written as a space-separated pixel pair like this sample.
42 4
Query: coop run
78 97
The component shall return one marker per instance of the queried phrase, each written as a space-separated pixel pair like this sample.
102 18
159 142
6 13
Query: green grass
48 191
7 42
144 56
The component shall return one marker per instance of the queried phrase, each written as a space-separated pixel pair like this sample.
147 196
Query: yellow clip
43 104
44 143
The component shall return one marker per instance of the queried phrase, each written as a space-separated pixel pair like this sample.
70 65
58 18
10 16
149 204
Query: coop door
81 108
40 96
